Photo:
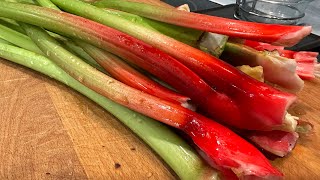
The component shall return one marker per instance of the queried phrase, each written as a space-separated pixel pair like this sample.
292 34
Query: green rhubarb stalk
75 49
9 34
18 38
11 24
172 149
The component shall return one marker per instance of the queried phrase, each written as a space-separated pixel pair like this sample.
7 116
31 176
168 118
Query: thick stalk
276 34
245 92
171 148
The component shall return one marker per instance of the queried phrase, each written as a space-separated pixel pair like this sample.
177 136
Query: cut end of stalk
289 123
184 7
293 38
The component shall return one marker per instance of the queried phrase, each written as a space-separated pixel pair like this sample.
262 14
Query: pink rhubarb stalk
270 33
261 107
226 150
123 72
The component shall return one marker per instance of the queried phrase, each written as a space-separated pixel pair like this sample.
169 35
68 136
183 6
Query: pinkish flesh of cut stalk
279 143
306 61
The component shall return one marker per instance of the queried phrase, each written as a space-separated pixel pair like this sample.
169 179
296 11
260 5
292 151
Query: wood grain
49 131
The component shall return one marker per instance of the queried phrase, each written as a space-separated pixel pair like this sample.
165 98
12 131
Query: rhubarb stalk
270 33
128 75
250 96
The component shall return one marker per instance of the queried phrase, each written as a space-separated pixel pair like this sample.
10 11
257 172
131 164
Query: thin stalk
171 148
11 24
245 92
128 75
271 33
15 37
72 47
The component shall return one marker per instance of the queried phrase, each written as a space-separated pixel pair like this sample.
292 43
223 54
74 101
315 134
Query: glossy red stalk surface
271 33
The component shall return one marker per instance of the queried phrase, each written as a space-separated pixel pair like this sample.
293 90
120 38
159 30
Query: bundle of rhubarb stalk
224 84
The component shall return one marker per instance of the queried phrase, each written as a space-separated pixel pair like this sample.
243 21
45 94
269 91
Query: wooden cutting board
49 131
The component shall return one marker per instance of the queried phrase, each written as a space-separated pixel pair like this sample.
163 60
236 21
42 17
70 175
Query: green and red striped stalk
270 33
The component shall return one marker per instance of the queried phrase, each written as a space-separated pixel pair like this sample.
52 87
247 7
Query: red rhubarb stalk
262 107
271 33
121 71
226 149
